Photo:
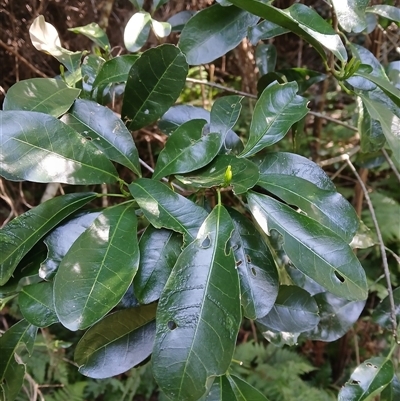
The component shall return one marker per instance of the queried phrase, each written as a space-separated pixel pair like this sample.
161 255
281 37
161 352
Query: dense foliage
228 231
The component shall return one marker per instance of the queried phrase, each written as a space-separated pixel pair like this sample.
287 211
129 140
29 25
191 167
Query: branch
391 164
381 246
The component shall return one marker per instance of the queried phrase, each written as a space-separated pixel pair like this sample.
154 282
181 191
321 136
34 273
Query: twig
334 120
23 59
381 246
50 191
391 164
222 87
341 158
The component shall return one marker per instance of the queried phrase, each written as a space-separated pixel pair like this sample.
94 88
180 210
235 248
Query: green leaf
37 305
368 380
94 33
244 174
265 30
160 250
137 31
198 315
295 311
329 208
292 165
244 391
351 14
165 208
220 391
89 284
187 149
117 343
178 20
277 109
301 20
115 70
160 29
266 58
381 314
392 390
256 267
60 240
45 38
154 83
12 372
225 113
386 11
90 68
313 249
226 27
22 233
390 124
107 132
337 317
45 95
38 147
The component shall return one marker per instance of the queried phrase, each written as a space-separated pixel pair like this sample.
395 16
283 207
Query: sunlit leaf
351 14
137 31
94 33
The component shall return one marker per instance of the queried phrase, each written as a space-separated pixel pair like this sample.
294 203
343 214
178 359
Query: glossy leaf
244 174
265 30
45 38
106 131
312 248
178 20
337 317
45 95
224 114
117 343
329 208
160 29
115 70
154 83
386 11
368 380
244 391
89 284
303 76
292 165
199 311
351 14
180 114
294 311
301 20
187 149
137 31
382 312
38 147
12 372
277 109
60 240
22 233
258 274
160 250
266 58
94 33
90 68
226 27
37 305
220 391
392 390
165 208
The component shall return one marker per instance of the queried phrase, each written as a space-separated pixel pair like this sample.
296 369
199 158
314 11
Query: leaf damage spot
253 271
206 242
171 325
339 277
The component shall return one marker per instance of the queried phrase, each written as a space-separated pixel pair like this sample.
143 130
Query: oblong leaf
22 233
258 274
351 14
199 306
266 58
45 95
226 27
159 250
382 313
277 109
89 284
94 33
165 208
369 379
244 391
107 132
386 11
244 174
265 30
329 208
337 317
293 165
313 249
137 31
117 343
187 149
224 114
37 305
154 83
60 240
295 311
38 147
